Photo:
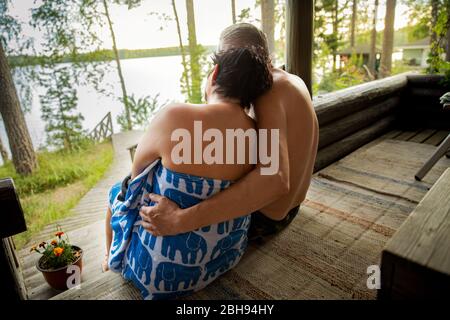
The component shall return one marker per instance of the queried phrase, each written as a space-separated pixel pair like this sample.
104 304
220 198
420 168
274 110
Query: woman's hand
164 218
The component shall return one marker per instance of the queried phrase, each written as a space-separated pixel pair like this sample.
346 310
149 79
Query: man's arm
250 193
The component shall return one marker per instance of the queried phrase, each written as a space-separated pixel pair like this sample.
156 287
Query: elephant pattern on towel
172 266
222 263
228 242
174 274
188 244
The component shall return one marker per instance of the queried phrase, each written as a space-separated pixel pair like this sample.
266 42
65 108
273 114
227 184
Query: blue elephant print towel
171 266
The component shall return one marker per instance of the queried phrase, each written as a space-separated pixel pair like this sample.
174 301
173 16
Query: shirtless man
273 200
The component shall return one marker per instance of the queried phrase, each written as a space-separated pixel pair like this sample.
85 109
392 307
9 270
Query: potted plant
56 258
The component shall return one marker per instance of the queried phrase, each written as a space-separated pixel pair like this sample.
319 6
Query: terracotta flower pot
57 278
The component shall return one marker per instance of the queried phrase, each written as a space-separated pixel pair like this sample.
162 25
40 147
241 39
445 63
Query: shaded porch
372 144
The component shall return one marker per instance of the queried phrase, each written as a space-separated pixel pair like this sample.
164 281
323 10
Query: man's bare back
290 96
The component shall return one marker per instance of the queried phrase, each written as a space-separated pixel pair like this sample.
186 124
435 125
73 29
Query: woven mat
353 207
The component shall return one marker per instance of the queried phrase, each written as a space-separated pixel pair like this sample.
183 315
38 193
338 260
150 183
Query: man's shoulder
283 80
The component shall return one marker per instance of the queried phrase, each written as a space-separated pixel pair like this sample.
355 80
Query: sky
138 28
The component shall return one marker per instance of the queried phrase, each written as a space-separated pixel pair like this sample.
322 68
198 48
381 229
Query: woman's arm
250 193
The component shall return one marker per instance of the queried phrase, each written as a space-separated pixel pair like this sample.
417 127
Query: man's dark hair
244 74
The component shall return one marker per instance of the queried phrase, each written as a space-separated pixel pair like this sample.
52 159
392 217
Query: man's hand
164 218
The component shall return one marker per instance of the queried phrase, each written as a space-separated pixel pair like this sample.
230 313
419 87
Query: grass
57 185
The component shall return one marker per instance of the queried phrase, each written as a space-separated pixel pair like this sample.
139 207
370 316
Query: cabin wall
421 107
350 118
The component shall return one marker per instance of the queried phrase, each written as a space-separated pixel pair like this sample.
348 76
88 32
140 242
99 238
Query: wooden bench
416 260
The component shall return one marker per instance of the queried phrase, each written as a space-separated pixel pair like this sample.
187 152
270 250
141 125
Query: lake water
146 76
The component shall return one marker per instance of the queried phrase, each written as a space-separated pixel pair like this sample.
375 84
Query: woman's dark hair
244 73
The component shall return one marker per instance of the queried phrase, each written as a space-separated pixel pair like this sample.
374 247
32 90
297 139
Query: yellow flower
58 251
33 248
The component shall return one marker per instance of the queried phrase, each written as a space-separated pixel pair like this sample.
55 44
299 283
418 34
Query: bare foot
105 263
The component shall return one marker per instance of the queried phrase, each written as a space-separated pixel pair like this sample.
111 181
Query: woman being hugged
168 162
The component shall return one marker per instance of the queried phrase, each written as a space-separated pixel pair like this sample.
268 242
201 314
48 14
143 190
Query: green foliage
63 124
60 168
196 71
141 111
351 75
9 27
419 12
60 181
58 253
437 65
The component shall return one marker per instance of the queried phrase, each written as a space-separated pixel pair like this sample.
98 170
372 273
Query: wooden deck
85 225
352 209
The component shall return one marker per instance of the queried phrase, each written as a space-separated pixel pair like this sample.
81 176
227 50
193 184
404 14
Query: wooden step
106 286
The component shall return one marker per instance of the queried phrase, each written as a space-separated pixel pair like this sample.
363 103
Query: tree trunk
20 143
268 22
434 17
447 52
335 23
353 25
196 81
233 10
388 40
183 52
3 152
373 41
447 48
119 67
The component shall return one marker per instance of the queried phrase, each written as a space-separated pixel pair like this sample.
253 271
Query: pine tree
268 22
196 52
373 41
388 39
20 144
63 124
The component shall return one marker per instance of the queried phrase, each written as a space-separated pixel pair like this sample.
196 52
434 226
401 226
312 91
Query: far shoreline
104 55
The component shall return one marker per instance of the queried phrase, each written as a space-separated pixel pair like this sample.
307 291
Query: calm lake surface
145 76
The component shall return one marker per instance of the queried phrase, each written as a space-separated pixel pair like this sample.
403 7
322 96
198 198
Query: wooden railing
103 130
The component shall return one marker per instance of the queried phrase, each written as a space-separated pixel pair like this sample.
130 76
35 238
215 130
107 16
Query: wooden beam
416 260
425 81
299 39
343 127
13 221
340 149
335 105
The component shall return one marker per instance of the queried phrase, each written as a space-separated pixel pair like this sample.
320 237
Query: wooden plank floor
85 226
352 209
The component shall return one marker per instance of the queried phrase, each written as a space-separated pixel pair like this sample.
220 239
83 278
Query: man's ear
215 74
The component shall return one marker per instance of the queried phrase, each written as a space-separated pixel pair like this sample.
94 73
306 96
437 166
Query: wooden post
299 39
13 222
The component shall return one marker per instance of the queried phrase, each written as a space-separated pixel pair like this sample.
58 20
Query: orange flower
58 251
42 244
54 243
59 234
